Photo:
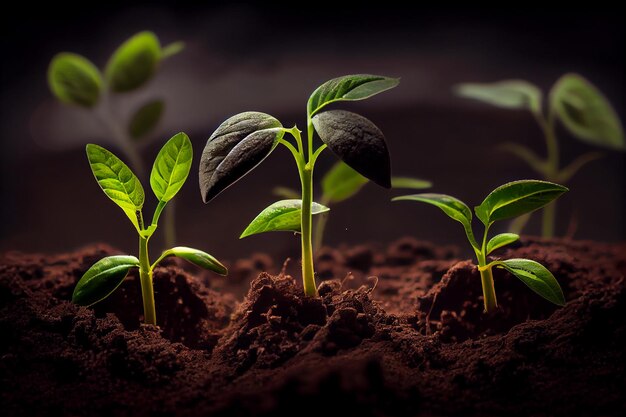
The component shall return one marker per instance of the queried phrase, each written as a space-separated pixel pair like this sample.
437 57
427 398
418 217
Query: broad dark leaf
357 142
536 277
102 279
73 79
234 149
516 198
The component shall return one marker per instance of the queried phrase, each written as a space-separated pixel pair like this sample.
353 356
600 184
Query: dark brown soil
395 332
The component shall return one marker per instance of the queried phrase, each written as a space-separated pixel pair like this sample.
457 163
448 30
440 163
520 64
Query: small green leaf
501 240
349 88
73 79
102 279
196 257
146 119
172 49
357 142
117 181
236 147
133 63
171 167
453 207
341 183
516 198
536 277
511 94
410 183
285 192
280 216
586 112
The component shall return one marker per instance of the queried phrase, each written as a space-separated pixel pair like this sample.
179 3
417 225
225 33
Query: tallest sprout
244 140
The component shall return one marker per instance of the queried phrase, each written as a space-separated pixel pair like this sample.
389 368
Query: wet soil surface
396 331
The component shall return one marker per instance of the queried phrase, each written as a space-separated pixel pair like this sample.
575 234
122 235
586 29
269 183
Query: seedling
246 139
341 183
579 105
505 202
119 183
75 80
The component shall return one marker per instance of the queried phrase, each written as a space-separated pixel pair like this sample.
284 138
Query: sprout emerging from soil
505 202
119 183
246 139
581 108
339 184
76 81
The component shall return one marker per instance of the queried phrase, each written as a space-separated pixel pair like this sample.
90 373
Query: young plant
243 141
505 202
580 107
75 80
119 183
341 183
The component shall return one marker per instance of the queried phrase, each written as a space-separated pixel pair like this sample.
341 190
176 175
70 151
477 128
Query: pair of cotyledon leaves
579 105
246 139
75 80
169 172
506 202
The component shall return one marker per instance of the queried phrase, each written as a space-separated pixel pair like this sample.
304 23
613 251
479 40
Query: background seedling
75 80
245 140
583 111
119 183
341 183
505 202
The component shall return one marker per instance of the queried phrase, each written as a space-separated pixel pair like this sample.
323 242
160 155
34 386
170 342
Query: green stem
320 225
145 276
489 292
552 171
548 219
308 274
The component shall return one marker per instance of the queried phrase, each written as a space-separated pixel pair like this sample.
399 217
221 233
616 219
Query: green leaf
236 147
516 198
536 277
410 183
341 183
357 142
349 88
117 181
133 63
586 112
73 79
453 207
196 257
285 192
102 279
501 240
172 49
282 215
146 119
511 94
171 167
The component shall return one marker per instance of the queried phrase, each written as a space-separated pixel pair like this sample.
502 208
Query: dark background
245 57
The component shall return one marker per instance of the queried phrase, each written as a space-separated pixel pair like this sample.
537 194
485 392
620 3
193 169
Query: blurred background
245 57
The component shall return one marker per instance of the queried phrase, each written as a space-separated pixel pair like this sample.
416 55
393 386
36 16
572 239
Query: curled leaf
348 88
102 279
134 62
536 277
586 112
516 198
234 149
73 79
281 216
145 119
196 257
357 142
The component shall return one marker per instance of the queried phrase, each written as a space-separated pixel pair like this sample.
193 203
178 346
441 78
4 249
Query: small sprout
119 183
505 202
74 80
341 183
246 139
582 109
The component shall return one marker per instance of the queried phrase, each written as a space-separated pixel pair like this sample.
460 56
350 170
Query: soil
396 331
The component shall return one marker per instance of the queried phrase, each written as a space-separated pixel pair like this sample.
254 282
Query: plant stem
308 274
548 217
145 276
552 171
320 225
489 292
